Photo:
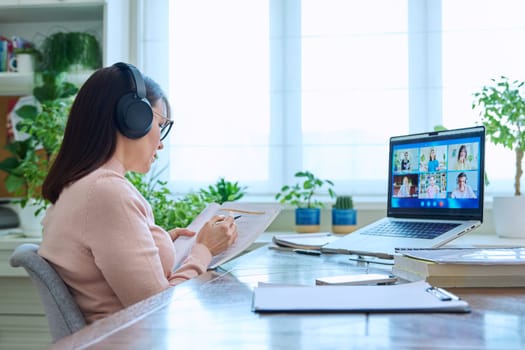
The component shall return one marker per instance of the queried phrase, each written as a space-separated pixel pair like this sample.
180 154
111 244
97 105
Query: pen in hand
234 218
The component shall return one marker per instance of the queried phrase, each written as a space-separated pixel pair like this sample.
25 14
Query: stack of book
462 267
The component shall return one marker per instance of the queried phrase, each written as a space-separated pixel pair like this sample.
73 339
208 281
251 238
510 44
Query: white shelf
21 84
16 84
51 11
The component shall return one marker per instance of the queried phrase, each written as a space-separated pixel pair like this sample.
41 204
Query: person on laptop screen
405 162
432 188
463 162
462 190
433 163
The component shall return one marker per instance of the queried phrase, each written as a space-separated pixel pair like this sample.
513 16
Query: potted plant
223 191
70 51
344 216
501 107
42 122
303 195
170 212
167 211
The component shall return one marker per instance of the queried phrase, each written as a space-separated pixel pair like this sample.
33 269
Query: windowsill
360 202
369 209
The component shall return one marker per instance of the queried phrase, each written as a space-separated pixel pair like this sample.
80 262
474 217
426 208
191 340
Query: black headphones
134 116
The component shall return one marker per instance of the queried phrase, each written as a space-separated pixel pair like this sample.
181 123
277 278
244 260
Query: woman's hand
177 232
218 234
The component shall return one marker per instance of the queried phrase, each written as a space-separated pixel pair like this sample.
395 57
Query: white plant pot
509 216
24 63
30 224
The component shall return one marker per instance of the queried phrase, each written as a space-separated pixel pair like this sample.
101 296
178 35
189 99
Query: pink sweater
101 238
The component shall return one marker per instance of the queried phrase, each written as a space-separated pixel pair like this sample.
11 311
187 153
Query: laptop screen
437 174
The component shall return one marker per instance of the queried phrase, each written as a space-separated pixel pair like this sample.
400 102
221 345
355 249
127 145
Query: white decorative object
24 63
509 216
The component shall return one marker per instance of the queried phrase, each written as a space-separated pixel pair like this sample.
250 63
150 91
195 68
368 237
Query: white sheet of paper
255 219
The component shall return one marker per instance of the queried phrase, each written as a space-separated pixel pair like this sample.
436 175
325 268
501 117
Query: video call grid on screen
427 175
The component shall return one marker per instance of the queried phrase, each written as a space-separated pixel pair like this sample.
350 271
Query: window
481 40
262 89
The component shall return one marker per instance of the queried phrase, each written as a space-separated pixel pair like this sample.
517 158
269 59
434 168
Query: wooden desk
214 312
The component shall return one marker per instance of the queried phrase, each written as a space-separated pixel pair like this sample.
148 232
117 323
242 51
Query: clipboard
407 297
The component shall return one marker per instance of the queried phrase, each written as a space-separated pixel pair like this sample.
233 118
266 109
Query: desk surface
214 311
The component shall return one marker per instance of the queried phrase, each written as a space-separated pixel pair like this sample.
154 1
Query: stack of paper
462 267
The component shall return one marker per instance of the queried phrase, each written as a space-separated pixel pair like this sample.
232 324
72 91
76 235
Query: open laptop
435 194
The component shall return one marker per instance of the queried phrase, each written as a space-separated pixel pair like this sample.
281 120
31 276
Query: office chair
62 312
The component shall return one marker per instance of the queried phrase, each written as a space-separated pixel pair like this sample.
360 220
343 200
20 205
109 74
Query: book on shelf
311 241
462 267
252 219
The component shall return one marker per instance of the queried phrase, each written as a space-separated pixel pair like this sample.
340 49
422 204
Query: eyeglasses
165 127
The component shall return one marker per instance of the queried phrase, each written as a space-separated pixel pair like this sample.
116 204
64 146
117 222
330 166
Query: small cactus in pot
344 216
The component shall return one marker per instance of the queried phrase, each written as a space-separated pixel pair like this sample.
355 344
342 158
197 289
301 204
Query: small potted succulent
344 216
303 195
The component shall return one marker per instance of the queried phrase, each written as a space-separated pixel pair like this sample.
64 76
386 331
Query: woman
462 162
432 189
404 189
99 232
433 163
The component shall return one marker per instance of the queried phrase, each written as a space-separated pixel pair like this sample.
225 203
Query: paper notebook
304 240
254 219
409 297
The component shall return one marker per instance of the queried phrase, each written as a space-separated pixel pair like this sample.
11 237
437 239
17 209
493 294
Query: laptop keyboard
409 229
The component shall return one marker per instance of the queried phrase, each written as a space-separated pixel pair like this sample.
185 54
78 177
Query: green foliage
54 87
62 50
170 212
501 107
45 122
31 158
302 194
344 202
223 191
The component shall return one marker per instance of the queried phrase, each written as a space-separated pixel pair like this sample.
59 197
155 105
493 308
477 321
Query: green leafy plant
63 50
501 107
171 212
223 191
44 126
302 194
344 202
45 121
167 211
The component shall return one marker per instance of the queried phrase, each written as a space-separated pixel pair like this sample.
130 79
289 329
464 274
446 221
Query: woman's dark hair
430 155
460 175
90 134
461 148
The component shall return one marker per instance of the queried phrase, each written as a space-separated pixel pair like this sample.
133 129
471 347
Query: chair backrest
62 312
